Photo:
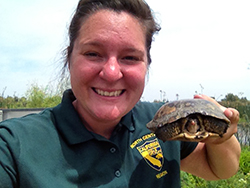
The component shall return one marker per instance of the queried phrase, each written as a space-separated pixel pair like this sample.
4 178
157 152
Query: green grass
240 180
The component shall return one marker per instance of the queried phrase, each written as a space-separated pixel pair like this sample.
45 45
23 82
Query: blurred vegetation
240 180
241 104
35 97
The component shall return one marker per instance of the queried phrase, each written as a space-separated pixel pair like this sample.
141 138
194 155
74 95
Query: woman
97 136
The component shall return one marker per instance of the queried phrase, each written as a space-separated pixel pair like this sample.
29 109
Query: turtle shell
189 120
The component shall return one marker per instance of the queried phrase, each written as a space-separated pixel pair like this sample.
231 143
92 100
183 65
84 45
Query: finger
211 100
232 114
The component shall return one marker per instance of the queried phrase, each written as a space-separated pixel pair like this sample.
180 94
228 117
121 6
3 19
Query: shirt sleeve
187 148
7 162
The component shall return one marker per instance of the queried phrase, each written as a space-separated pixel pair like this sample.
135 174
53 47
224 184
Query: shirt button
118 173
112 150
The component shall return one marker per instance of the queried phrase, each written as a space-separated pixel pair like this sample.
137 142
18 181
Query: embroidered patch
152 153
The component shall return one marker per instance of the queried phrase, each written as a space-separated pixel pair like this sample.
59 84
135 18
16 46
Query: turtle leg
215 126
168 131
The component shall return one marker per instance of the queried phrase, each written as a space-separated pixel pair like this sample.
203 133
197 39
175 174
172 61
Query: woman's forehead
105 25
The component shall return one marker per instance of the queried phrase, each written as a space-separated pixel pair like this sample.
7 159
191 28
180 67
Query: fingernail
230 114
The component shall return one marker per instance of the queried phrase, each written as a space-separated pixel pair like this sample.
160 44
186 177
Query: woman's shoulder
147 107
29 122
144 111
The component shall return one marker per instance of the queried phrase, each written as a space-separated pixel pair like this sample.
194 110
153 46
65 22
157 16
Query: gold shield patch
152 154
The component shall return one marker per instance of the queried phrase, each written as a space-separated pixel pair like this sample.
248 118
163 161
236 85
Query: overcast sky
203 47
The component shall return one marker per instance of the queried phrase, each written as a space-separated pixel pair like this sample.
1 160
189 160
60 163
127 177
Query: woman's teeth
108 94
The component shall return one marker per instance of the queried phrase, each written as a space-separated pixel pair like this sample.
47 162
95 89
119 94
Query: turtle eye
159 125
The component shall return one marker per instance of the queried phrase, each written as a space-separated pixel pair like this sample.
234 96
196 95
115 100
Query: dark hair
137 8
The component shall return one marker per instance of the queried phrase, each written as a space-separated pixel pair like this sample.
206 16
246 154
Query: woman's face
108 65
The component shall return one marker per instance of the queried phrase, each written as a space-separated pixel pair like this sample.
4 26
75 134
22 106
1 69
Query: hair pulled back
137 8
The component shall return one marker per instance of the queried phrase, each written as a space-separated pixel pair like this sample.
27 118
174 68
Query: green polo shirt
53 149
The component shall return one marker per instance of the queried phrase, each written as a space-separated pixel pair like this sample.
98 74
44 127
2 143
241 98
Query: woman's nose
111 70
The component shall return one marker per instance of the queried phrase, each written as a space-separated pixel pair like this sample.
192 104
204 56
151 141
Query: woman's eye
131 58
91 54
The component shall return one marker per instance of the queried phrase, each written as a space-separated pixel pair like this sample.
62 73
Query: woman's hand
231 113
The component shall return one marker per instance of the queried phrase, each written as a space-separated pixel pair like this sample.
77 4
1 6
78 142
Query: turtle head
192 125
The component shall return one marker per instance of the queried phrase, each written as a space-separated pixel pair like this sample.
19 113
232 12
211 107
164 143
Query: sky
202 48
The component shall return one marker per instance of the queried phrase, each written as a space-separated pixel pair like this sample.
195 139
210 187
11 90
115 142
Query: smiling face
107 66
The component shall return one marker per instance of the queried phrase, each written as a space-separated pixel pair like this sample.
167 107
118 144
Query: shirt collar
70 126
128 121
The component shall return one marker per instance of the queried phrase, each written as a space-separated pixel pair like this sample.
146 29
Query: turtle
189 120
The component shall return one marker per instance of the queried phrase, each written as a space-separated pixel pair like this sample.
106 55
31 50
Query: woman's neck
103 128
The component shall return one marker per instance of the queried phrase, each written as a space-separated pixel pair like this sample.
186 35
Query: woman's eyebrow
135 50
100 44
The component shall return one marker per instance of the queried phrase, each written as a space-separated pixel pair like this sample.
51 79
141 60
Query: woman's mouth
107 93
